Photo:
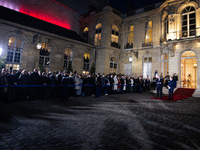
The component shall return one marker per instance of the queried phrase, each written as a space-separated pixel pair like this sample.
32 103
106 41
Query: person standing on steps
159 83
171 88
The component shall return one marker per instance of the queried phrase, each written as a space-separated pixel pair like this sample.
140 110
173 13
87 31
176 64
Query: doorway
189 70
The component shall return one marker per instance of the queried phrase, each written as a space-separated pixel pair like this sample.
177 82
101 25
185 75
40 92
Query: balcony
128 46
147 44
178 35
114 44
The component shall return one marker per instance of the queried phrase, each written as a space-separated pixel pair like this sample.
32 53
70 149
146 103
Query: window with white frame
98 34
148 33
115 36
147 66
68 58
129 37
113 65
14 53
86 62
128 67
85 33
45 55
188 21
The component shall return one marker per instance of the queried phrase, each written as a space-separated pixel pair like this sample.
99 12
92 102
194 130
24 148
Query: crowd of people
21 85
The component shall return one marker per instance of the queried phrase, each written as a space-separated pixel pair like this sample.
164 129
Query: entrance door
128 68
189 70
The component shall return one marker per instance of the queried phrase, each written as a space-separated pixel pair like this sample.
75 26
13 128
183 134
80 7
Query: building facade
164 37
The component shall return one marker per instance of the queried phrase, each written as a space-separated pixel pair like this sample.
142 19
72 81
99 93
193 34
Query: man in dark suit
159 83
175 78
170 87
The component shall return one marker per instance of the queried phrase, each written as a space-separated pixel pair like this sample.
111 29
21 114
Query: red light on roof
45 17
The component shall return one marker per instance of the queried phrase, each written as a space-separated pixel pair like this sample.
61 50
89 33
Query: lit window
148 33
115 36
45 55
85 33
14 53
68 58
188 22
86 62
98 34
129 37
113 65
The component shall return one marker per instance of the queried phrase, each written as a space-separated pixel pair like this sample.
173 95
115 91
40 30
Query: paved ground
116 122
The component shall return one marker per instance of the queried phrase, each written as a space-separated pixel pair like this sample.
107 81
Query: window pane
47 61
18 44
192 27
146 36
9 57
99 42
131 28
184 28
150 59
184 23
111 65
145 59
17 57
184 17
41 61
115 66
150 24
96 39
192 15
192 21
146 24
192 9
150 35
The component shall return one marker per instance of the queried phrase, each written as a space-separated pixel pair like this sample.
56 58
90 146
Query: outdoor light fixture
130 59
39 46
1 51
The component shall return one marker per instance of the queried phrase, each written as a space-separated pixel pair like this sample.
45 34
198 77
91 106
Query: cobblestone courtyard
128 121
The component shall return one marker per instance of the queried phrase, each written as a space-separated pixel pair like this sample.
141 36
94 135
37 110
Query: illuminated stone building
163 37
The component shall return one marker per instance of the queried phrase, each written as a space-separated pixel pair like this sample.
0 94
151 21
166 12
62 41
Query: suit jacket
158 82
175 78
171 85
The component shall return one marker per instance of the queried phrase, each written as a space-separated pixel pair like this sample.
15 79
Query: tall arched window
86 62
45 55
14 53
98 34
115 36
68 58
113 65
188 21
129 37
148 33
166 30
85 33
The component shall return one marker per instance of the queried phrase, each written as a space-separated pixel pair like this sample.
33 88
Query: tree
69 68
41 67
2 61
92 69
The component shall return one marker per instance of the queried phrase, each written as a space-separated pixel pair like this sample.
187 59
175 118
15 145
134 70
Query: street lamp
1 51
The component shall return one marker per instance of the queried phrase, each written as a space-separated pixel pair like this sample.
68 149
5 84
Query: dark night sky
135 3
